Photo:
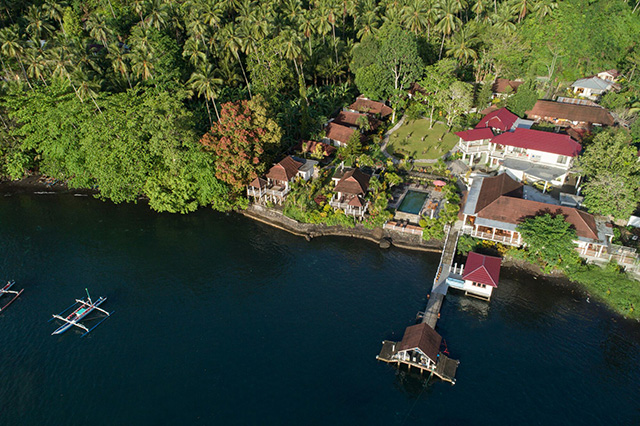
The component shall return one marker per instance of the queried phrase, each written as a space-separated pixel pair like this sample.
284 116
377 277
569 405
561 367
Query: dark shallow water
221 320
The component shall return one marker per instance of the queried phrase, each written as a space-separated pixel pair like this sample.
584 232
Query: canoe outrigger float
85 308
5 290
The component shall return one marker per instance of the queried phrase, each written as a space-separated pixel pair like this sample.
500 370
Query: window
475 284
562 159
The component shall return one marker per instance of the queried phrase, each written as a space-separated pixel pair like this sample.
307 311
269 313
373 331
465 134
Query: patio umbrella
439 183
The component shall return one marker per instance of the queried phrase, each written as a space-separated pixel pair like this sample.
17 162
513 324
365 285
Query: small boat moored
81 308
6 290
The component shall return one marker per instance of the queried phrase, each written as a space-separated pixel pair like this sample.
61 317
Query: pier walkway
440 286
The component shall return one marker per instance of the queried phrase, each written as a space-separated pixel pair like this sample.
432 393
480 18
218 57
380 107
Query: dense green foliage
433 229
116 93
611 166
550 239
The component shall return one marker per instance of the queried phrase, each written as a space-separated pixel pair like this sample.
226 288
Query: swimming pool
413 201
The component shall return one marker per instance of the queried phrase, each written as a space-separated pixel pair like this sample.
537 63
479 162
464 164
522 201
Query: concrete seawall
382 237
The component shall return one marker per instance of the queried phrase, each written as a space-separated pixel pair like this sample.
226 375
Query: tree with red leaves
242 141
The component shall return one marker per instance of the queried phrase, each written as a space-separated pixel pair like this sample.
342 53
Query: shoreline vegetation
596 285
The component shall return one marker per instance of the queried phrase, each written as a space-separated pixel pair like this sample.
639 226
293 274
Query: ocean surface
220 320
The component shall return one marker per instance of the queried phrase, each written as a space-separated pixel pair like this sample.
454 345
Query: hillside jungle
183 102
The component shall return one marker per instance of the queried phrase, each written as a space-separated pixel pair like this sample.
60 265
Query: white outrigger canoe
81 308
6 290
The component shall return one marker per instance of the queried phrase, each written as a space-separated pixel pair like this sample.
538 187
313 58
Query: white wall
484 292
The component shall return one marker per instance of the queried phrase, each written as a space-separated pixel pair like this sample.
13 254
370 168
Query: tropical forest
184 102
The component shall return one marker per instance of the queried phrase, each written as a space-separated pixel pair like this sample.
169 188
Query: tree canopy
550 238
610 165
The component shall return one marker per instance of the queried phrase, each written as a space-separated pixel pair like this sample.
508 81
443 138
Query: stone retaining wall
383 237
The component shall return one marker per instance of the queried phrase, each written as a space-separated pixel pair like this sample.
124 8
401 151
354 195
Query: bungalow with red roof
337 134
501 120
480 275
534 155
350 192
503 87
495 206
278 179
367 106
318 149
356 120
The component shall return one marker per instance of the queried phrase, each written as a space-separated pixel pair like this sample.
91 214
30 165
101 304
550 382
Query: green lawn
415 139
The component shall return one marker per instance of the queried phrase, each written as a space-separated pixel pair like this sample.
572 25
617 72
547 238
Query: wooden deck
445 368
433 309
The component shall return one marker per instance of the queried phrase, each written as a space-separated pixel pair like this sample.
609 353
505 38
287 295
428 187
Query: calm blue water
221 320
413 202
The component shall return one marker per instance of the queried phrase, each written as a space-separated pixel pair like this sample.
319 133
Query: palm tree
36 65
479 9
53 10
415 16
197 28
463 46
212 15
10 46
142 64
545 7
307 28
116 54
158 14
193 51
205 83
86 88
503 18
447 11
368 23
233 43
37 24
98 29
521 8
290 43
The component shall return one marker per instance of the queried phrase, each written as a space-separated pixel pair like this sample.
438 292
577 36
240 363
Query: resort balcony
512 240
343 204
473 148
277 191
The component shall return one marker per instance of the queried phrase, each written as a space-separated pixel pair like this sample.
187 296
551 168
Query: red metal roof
475 134
501 119
539 140
482 269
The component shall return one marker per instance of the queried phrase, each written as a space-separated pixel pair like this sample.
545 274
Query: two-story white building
504 141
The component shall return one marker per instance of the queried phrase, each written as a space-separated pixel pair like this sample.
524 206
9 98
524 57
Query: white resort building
505 142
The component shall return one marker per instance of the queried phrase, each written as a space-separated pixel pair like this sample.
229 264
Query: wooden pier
440 286
420 345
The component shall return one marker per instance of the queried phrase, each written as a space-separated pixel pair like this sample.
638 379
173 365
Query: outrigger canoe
6 290
82 309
